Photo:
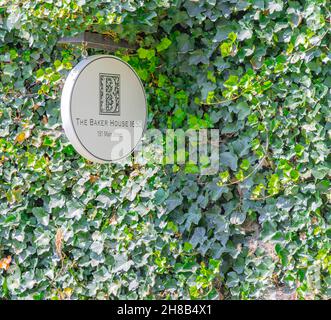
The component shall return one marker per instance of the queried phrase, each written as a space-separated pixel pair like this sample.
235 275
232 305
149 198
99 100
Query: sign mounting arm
97 41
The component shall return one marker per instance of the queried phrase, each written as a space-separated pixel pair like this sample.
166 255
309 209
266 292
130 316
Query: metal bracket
96 41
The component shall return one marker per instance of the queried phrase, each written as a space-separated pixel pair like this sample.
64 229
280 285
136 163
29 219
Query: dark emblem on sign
109 94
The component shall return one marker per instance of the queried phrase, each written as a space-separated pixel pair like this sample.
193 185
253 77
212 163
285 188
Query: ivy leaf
41 215
198 236
40 74
173 202
231 82
122 264
97 247
299 149
163 45
20 137
185 43
243 110
13 20
245 164
238 217
229 159
226 49
146 53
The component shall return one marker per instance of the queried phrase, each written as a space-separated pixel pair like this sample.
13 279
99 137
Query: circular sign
103 108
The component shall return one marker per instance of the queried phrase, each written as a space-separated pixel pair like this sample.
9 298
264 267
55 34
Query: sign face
103 108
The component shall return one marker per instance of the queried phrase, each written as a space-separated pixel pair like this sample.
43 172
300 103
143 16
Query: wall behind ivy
258 70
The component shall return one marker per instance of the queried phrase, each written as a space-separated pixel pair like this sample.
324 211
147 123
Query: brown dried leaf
5 263
113 219
45 119
58 243
93 178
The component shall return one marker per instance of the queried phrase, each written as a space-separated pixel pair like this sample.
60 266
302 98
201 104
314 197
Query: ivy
257 70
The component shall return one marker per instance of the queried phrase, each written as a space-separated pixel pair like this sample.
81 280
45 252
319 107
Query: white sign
103 108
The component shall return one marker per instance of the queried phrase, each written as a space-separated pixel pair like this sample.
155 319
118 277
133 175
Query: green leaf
231 82
294 174
198 236
229 159
226 49
232 36
299 149
238 217
245 164
163 45
146 53
41 215
187 246
40 74
267 85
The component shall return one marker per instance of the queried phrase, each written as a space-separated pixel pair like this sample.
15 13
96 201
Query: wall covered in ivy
257 70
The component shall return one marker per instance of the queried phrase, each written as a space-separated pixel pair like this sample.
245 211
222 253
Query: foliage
259 70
